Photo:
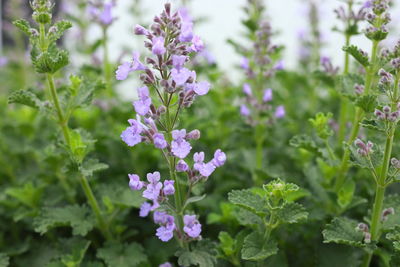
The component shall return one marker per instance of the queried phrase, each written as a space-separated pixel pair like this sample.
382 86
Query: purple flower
247 89
367 4
142 106
267 95
280 65
106 16
245 63
161 217
178 61
158 46
131 136
3 61
140 30
181 76
206 169
144 209
159 141
194 134
153 189
186 32
198 157
165 264
127 67
280 112
178 134
165 234
192 226
169 187
153 177
182 166
202 88
244 110
197 44
180 148
219 158
134 182
185 15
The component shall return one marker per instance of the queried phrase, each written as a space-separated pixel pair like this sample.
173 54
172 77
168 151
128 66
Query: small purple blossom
134 182
280 65
153 189
219 158
247 89
244 110
245 63
140 30
197 44
127 67
202 88
206 169
198 157
165 232
159 141
280 112
106 16
180 76
192 226
3 61
363 149
169 188
180 148
158 46
186 32
182 166
142 106
165 264
131 136
178 61
144 209
267 95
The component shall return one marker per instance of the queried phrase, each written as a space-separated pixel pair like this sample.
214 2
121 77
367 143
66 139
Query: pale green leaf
292 213
343 231
122 254
255 248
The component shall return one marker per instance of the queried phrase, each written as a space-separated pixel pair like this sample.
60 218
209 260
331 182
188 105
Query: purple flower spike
169 188
158 46
165 234
159 141
267 95
247 89
106 16
140 30
144 209
134 182
131 136
180 76
123 70
192 226
178 61
280 112
219 158
202 88
182 166
244 111
180 148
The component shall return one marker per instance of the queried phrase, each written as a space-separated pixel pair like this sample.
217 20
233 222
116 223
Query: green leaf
363 162
25 97
367 102
373 124
343 231
58 30
248 200
23 25
50 61
394 236
203 254
392 201
90 166
76 253
245 217
28 194
292 213
227 244
256 249
321 124
83 91
357 55
193 199
4 260
78 217
346 193
305 142
345 84
122 255
278 190
120 195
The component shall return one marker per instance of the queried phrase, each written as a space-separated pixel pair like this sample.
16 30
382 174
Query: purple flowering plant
168 88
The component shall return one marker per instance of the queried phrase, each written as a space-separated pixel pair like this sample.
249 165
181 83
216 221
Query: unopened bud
386 213
195 134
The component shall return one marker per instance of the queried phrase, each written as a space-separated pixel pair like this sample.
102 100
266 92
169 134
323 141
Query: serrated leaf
245 217
50 61
248 200
25 97
58 30
203 254
346 193
394 236
78 217
255 248
393 220
122 254
76 252
373 124
362 161
305 142
292 213
343 231
90 166
4 260
357 55
23 25
28 194
367 102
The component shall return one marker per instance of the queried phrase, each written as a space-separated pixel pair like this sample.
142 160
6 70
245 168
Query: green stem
344 104
95 207
381 183
358 117
106 63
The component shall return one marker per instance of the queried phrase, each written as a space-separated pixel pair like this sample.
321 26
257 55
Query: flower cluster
328 67
362 148
350 17
171 41
365 229
101 11
378 18
387 114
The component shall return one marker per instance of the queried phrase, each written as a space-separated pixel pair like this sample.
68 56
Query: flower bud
386 213
182 166
195 135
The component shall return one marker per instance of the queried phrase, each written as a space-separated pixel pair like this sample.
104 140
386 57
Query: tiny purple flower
106 16
158 46
180 76
180 148
202 88
140 30
267 95
136 64
280 112
186 32
182 166
219 158
134 182
142 106
160 217
145 209
247 89
280 65
245 63
165 234
197 44
178 61
153 177
244 110
165 264
131 136
123 70
169 187
205 169
3 61
194 134
159 141
192 226
198 157
152 191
